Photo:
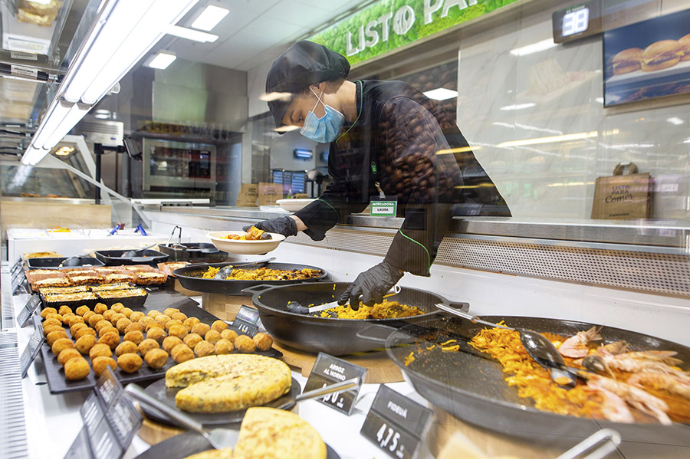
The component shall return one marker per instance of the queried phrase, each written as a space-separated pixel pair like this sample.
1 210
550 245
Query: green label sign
390 24
383 208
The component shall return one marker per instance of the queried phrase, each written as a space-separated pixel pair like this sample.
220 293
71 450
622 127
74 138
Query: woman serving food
387 141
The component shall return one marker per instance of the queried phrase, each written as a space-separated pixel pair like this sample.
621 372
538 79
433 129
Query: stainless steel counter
646 233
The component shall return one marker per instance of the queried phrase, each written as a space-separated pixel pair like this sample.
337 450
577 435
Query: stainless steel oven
178 168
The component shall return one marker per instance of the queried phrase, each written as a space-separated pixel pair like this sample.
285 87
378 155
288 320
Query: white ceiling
256 31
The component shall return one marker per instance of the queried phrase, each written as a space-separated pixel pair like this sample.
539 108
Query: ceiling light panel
194 35
162 61
209 18
441 94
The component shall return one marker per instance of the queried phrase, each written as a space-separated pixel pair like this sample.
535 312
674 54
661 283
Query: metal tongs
221 438
537 346
605 441
294 306
179 236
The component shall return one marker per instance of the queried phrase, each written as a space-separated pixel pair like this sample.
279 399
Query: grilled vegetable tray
158 300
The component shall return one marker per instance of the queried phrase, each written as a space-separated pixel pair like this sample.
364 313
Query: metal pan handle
460 305
250 291
136 392
599 445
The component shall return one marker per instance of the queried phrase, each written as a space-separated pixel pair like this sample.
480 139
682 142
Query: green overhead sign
390 24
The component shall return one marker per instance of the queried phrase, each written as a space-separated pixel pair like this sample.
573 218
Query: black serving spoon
134 253
226 271
537 346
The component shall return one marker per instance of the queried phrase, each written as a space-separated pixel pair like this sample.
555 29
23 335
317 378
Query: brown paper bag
269 193
249 192
623 197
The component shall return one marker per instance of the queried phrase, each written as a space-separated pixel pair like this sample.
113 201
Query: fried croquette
156 358
190 322
126 347
52 328
94 319
100 350
170 311
61 344
85 343
87 315
204 348
200 329
108 315
136 315
117 307
99 364
212 336
134 326
134 336
117 316
106 330
145 321
51 322
182 353
147 345
67 354
83 332
111 339
245 344
64 310
219 326
54 336
101 324
192 340
127 312
129 363
157 334
178 330
162 319
170 342
181 316
263 341
46 311
81 310
172 322
122 324
100 308
77 368
224 346
229 335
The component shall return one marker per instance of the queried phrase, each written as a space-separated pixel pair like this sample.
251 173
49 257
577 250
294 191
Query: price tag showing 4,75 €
397 424
329 370
246 321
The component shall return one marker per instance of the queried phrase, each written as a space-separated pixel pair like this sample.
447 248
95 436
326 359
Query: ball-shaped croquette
129 363
201 329
263 341
134 336
182 353
111 339
67 354
229 335
157 334
156 358
170 342
204 348
245 344
85 343
99 350
126 347
147 345
219 326
224 346
99 364
61 344
192 340
77 368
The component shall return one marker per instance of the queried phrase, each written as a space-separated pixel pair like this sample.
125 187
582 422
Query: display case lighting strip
123 33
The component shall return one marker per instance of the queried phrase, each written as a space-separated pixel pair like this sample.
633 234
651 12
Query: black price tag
104 444
31 350
329 370
248 315
80 449
396 424
27 310
243 328
124 420
91 413
108 388
16 267
17 281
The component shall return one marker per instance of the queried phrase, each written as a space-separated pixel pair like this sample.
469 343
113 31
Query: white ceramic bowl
244 247
293 205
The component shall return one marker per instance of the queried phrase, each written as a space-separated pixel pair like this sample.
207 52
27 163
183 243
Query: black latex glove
281 225
371 285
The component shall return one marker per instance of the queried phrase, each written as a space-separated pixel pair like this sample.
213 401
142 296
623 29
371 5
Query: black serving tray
54 263
195 252
157 300
114 257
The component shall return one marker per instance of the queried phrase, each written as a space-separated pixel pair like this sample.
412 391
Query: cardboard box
269 193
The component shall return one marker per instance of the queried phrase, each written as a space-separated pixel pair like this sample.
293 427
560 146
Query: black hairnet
305 63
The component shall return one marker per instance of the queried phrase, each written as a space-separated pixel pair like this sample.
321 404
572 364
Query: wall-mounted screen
647 60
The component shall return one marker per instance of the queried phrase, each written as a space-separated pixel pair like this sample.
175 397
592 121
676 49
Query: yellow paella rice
384 310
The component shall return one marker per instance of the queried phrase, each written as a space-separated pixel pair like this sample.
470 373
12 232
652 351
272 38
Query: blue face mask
326 129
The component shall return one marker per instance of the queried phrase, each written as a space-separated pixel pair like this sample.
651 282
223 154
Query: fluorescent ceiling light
534 48
675 120
33 156
541 140
600 100
275 96
286 128
162 61
189 34
458 150
209 18
518 106
441 94
118 42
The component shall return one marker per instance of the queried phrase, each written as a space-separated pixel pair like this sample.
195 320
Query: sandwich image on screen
647 60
